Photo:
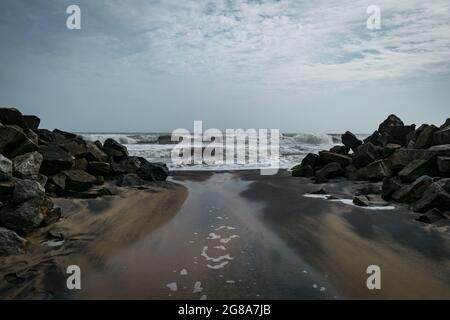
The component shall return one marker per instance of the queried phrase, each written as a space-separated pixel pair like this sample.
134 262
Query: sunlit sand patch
346 201
197 287
172 286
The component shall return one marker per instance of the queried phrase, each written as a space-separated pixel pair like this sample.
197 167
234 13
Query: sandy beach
232 235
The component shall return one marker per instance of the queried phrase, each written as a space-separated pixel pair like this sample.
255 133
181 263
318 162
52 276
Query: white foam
172 286
53 243
197 287
218 266
213 236
347 202
183 272
225 227
220 247
218 259
230 281
226 240
203 297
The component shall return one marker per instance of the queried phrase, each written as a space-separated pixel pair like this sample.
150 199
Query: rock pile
413 164
36 164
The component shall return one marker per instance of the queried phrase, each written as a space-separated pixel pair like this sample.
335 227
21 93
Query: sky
158 65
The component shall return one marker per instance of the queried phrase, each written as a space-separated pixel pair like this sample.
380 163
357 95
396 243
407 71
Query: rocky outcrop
11 243
350 141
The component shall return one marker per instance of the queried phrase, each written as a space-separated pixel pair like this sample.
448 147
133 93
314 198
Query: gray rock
130 179
442 136
55 160
305 171
67 135
24 218
361 201
5 168
416 169
443 165
390 186
388 150
402 157
350 141
25 146
99 168
426 139
27 165
339 149
27 189
12 116
94 153
391 120
326 157
75 148
77 180
331 170
81 164
11 243
156 171
49 137
32 122
115 150
433 197
351 172
376 171
130 165
399 133
10 138
413 192
365 154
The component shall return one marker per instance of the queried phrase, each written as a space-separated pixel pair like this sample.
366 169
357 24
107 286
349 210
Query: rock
7 189
443 165
339 149
25 217
305 171
77 180
130 179
50 137
27 189
130 165
403 156
365 154
5 168
351 172
326 157
10 138
27 165
59 182
446 124
391 120
431 216
369 189
416 169
373 138
75 148
24 147
331 170
399 133
99 168
426 137
32 122
94 153
320 191
55 160
350 141
388 150
12 116
433 197
390 186
361 201
442 136
99 180
437 151
52 216
115 150
445 184
65 134
376 171
320 179
385 138
81 164
310 160
152 171
413 192
11 243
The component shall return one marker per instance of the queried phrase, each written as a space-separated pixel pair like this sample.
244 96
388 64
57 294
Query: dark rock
32 122
94 153
77 180
339 149
369 189
99 180
373 138
443 165
75 148
24 147
361 201
390 186
402 157
115 150
411 139
10 138
50 137
27 189
433 197
437 151
27 165
52 216
25 217
59 182
320 179
442 136
445 184
330 170
55 160
426 137
350 141
326 157
399 133
310 160
130 179
392 120
99 168
130 165
431 216
12 116
376 171
152 171
351 172
305 171
320 191
81 164
5 168
413 192
11 243
388 150
446 124
416 169
365 154
7 188
65 134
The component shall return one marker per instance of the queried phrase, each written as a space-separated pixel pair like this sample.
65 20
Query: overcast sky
300 66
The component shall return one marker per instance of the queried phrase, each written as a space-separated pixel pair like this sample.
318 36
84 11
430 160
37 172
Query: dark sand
233 235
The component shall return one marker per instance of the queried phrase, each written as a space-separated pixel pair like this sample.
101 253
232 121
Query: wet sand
233 235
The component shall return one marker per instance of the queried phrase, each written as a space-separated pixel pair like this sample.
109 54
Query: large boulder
10 138
390 186
426 137
326 157
403 156
94 153
130 179
77 180
391 120
32 122
25 146
67 135
373 138
115 150
442 136
50 137
350 140
431 216
7 189
388 149
156 171
339 149
302 171
12 116
27 189
437 151
99 168
413 192
310 159
443 165
25 217
130 165
5 168
55 159
11 243
399 133
434 197
75 148
376 171
27 165
365 154
57 183
416 169
330 170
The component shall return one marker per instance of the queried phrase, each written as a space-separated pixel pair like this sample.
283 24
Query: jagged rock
11 243
65 134
399 133
445 184
402 157
94 153
27 165
24 147
437 151
55 160
339 149
115 150
326 157
330 170
33 137
416 169
433 197
130 165
5 168
81 164
59 182
75 148
413 192
351 172
50 137
130 179
7 188
388 150
385 138
361 201
305 171
310 160
32 122
373 138
77 180
443 165
446 124
390 186
426 139
99 168
442 136
376 171
152 171
431 216
391 120
12 116
320 179
10 138
365 154
350 141
27 189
